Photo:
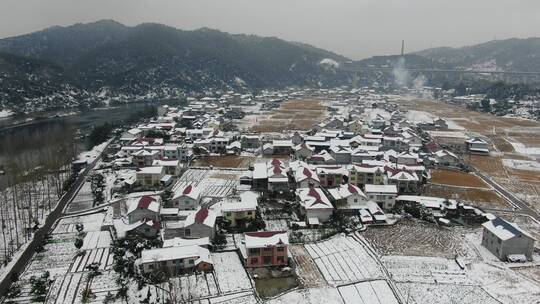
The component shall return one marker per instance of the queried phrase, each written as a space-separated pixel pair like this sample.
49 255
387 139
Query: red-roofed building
186 197
144 207
265 248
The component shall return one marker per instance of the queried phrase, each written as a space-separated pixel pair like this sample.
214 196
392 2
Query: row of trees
37 172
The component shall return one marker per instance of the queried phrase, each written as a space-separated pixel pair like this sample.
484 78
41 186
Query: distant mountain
137 59
504 55
22 77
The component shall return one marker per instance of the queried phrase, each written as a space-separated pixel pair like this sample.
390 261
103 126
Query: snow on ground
425 117
342 259
323 295
91 155
369 292
6 113
96 239
213 183
529 151
230 273
528 165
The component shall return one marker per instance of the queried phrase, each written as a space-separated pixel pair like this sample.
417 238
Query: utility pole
402 48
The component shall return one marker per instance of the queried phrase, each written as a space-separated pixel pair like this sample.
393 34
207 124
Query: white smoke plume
419 82
401 76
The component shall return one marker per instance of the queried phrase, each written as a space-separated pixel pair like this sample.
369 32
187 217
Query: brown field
474 121
502 144
227 161
455 178
488 164
299 114
477 197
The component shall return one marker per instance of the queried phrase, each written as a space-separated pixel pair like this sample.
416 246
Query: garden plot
99 255
194 286
425 293
230 273
430 270
342 259
83 200
322 295
96 239
90 222
306 269
103 284
418 238
369 292
213 183
68 289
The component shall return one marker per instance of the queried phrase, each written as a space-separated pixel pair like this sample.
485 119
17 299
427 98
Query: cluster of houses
353 163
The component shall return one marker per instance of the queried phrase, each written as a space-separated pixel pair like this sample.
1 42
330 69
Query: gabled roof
303 173
201 216
187 191
345 191
265 239
145 202
504 230
313 198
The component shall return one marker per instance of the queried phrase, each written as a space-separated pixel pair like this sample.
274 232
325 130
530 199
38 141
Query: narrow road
41 233
523 207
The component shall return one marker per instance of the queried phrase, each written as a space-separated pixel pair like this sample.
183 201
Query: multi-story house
265 248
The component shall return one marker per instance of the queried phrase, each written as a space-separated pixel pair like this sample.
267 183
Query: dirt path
306 269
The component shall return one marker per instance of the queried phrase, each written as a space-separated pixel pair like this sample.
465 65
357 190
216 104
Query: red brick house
265 248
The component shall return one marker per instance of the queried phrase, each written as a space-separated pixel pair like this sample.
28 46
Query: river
30 132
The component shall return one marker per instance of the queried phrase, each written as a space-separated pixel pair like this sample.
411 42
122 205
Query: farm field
513 139
418 238
456 178
306 269
229 278
225 161
212 182
369 292
299 114
342 259
477 197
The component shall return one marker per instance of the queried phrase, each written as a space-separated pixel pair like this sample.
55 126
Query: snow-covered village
325 196
269 152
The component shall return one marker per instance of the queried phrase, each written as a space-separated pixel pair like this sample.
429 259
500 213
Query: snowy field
439 280
83 200
322 295
519 164
67 264
229 280
369 292
342 259
213 183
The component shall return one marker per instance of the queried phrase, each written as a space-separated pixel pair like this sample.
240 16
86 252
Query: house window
267 249
150 266
254 260
389 197
250 213
356 200
227 214
280 259
267 260
281 249
187 232
253 251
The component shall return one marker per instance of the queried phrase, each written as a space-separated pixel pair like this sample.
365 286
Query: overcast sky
354 28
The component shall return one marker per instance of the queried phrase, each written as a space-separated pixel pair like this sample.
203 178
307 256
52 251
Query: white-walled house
144 207
187 197
315 205
506 240
150 176
305 178
348 198
384 195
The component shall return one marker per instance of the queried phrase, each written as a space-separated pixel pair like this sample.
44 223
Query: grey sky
354 28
